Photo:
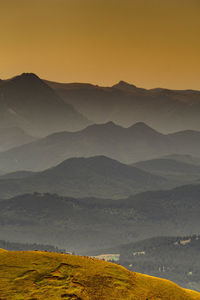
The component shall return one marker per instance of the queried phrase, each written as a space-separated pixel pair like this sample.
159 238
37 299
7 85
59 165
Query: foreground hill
173 258
81 225
125 104
40 275
29 103
83 177
128 145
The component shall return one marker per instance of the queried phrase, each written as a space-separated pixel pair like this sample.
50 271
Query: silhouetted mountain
125 104
13 137
172 258
170 168
29 103
128 145
83 177
85 224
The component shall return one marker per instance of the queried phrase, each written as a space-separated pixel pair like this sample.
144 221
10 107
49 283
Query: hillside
125 104
97 176
41 275
86 224
128 145
29 103
173 258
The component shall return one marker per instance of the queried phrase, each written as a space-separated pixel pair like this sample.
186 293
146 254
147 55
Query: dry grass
42 275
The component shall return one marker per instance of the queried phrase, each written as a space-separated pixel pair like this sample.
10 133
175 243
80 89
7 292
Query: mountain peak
123 85
26 77
143 127
103 126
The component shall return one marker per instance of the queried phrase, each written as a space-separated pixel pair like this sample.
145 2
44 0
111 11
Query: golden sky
150 43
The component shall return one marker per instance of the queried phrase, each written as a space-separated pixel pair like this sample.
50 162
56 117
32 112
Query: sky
150 43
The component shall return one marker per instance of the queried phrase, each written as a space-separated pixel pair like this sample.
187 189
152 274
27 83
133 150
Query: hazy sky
150 43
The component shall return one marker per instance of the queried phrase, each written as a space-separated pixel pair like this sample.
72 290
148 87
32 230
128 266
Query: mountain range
86 224
128 145
125 104
29 103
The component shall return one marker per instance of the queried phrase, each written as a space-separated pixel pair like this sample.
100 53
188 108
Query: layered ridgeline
128 145
81 225
173 258
29 103
125 104
40 275
97 176
181 169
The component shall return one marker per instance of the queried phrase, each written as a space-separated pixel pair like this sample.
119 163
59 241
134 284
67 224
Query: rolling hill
125 104
29 103
83 177
42 275
87 224
128 145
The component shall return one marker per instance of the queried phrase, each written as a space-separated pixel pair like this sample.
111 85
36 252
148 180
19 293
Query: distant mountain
186 158
128 145
82 225
83 177
29 103
171 167
125 104
59 276
13 137
17 175
173 258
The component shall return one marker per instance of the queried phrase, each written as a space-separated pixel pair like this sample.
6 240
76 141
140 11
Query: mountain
83 177
170 168
13 137
43 275
125 104
87 224
136 143
172 258
29 103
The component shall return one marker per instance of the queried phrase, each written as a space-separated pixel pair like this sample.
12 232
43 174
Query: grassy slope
41 275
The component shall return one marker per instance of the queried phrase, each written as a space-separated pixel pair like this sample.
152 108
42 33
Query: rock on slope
41 275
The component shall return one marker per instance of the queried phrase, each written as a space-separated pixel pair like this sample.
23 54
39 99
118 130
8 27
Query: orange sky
149 43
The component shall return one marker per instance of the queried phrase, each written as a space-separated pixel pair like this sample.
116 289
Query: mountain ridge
127 145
